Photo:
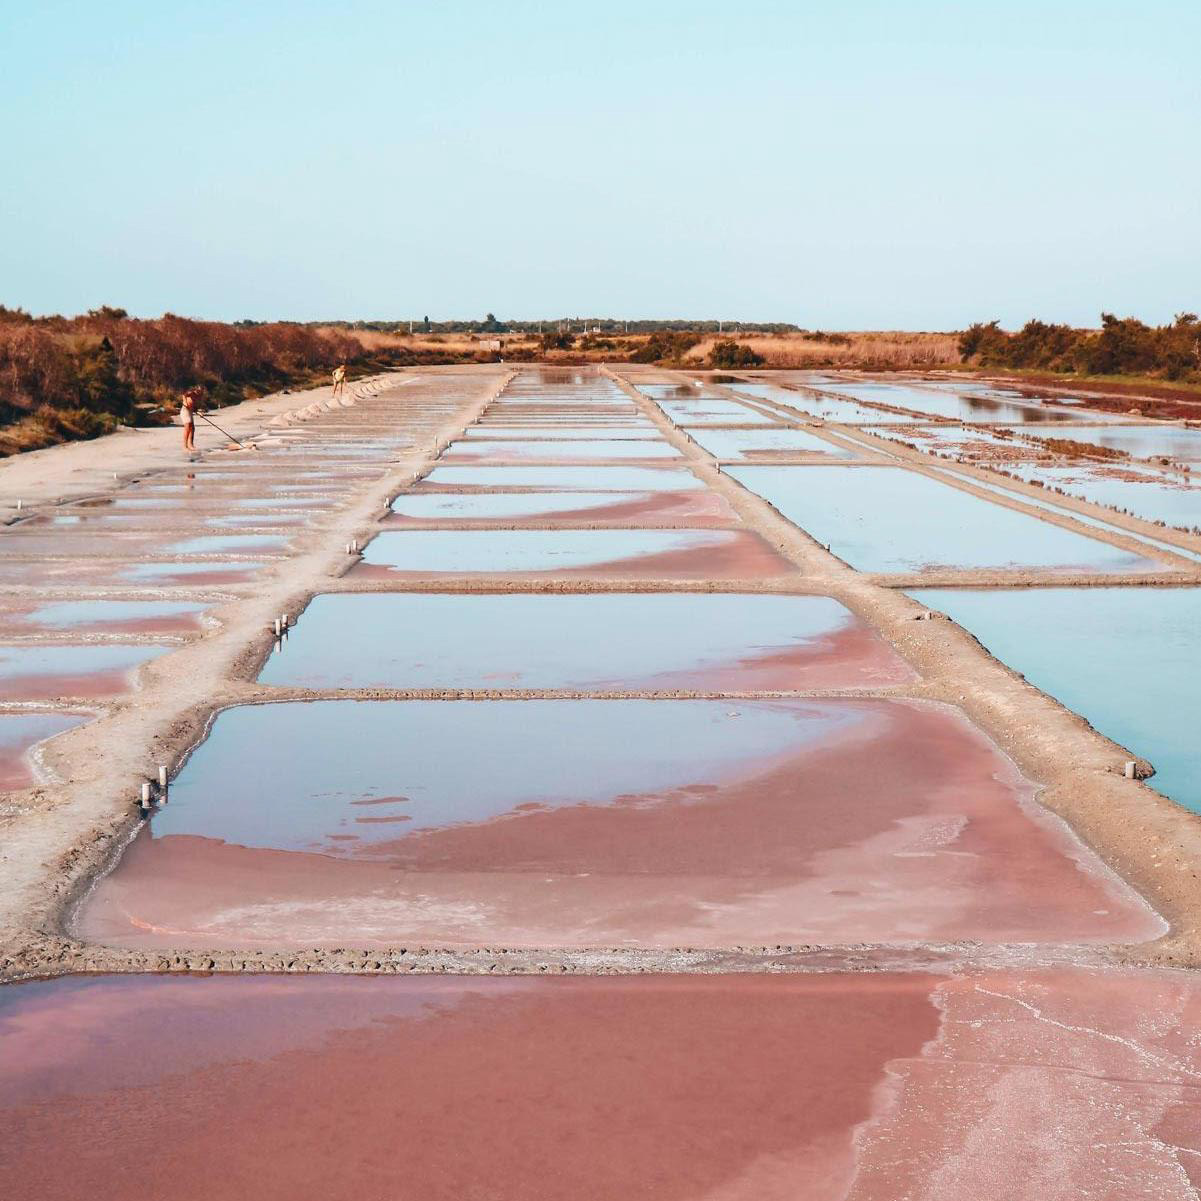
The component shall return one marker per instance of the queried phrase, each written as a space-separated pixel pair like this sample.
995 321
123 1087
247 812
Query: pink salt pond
425 508
703 641
603 823
34 672
481 450
19 734
121 618
688 554
822 1087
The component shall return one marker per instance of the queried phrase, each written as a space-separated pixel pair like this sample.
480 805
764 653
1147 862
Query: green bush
1122 346
728 353
664 346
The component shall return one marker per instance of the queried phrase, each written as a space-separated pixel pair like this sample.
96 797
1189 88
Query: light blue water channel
828 408
734 444
960 407
889 519
1152 496
712 412
1127 659
1176 442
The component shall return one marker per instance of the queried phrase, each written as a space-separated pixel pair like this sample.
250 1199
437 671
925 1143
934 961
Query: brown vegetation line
879 350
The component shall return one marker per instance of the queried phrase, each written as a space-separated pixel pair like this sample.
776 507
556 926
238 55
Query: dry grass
900 350
883 350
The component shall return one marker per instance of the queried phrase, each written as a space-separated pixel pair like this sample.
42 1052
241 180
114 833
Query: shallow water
107 616
1062 508
1127 659
745 444
613 640
956 439
306 502
1175 502
961 407
712 412
217 544
1175 442
41 672
252 520
614 433
295 775
19 734
889 519
602 823
661 392
828 408
687 1087
199 573
554 450
687 553
572 479
486 506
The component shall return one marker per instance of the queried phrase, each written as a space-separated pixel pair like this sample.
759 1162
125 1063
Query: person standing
339 379
187 410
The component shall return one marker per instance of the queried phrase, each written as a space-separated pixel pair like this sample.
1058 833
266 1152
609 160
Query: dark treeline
1122 346
77 377
608 325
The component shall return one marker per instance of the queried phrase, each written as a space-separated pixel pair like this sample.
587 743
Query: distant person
339 379
188 408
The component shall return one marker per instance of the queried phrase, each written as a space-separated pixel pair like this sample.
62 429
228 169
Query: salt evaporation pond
613 822
19 734
972 408
570 479
684 1086
1127 659
747 444
103 617
712 412
611 640
823 405
553 450
615 433
1150 495
618 553
42 672
888 519
1179 443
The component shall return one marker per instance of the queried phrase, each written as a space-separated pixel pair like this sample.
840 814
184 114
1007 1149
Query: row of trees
608 325
1122 346
80 376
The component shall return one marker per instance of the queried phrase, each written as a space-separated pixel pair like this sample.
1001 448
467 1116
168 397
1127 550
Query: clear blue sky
841 165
